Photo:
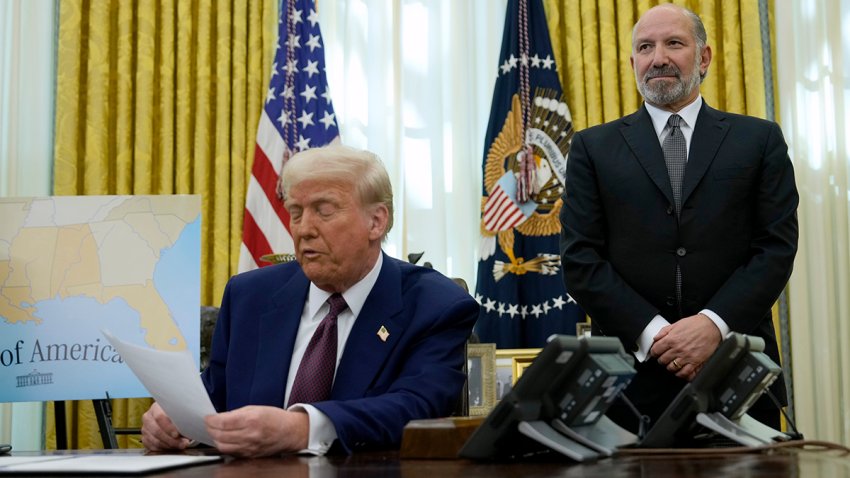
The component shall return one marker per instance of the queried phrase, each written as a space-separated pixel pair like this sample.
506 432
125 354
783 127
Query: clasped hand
250 431
685 345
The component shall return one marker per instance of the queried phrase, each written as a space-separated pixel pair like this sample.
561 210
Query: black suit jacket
734 241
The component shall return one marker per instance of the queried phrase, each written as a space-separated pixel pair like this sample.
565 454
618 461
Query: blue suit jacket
379 386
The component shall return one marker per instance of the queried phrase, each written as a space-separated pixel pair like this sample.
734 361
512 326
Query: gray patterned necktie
675 155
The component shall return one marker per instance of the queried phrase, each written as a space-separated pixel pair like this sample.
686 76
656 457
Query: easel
103 413
61 430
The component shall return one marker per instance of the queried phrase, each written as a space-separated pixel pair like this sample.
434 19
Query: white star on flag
312 68
313 42
309 93
306 119
328 119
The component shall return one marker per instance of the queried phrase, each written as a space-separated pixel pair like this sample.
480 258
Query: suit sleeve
427 384
753 288
590 278
213 376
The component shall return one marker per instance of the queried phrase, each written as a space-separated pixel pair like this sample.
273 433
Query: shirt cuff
646 337
720 323
322 432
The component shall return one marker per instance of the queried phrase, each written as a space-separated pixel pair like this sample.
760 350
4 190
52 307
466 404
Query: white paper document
173 380
90 464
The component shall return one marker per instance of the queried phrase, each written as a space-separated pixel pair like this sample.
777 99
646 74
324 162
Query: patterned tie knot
674 121
337 304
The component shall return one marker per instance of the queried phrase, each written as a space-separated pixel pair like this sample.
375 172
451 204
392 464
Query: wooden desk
783 463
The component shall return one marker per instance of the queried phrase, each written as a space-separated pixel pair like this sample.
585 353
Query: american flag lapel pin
383 333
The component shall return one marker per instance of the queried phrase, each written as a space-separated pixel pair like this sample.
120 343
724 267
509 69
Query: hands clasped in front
685 345
250 431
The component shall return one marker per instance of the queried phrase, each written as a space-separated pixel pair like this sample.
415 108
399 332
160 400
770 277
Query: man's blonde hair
342 164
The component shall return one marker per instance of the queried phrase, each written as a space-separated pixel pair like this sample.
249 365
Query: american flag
297 115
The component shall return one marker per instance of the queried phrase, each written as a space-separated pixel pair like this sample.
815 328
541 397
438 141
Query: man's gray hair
336 163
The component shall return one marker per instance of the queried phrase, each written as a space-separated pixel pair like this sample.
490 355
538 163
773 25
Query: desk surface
792 463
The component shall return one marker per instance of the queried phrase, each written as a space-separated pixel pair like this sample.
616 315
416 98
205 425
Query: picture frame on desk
583 329
481 375
510 364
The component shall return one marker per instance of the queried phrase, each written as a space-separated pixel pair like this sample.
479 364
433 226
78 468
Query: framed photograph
583 329
510 363
481 372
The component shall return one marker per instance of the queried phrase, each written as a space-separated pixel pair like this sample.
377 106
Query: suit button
669 210
670 302
681 252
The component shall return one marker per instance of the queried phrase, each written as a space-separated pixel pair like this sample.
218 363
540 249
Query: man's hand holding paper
173 381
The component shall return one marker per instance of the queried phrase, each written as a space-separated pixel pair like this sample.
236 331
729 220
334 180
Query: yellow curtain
161 97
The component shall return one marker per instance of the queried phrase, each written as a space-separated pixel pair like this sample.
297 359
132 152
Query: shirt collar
355 296
689 114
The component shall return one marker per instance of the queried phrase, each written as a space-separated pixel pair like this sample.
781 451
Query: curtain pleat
234 181
98 114
68 72
731 56
185 100
161 97
164 102
130 129
219 171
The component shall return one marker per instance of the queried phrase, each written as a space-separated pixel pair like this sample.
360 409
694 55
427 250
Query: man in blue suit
670 269
398 332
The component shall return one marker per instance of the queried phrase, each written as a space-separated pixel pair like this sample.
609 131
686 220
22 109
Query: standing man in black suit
678 231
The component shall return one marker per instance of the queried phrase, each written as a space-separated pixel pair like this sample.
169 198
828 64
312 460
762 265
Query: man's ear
378 220
704 60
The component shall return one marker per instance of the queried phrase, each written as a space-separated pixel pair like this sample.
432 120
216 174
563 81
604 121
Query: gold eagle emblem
548 133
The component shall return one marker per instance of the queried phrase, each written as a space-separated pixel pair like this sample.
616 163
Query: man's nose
307 224
659 56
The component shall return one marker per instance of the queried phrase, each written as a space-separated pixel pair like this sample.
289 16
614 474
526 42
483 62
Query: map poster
72 266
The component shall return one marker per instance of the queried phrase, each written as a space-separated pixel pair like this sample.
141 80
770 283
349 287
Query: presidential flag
520 286
297 115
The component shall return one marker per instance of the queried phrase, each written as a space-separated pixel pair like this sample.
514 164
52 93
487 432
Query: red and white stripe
266 223
501 212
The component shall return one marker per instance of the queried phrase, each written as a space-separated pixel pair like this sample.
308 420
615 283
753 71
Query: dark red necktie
315 375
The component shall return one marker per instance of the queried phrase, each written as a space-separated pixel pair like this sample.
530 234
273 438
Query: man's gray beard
662 95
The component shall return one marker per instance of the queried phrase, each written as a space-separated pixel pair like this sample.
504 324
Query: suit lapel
708 135
365 353
278 326
643 141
